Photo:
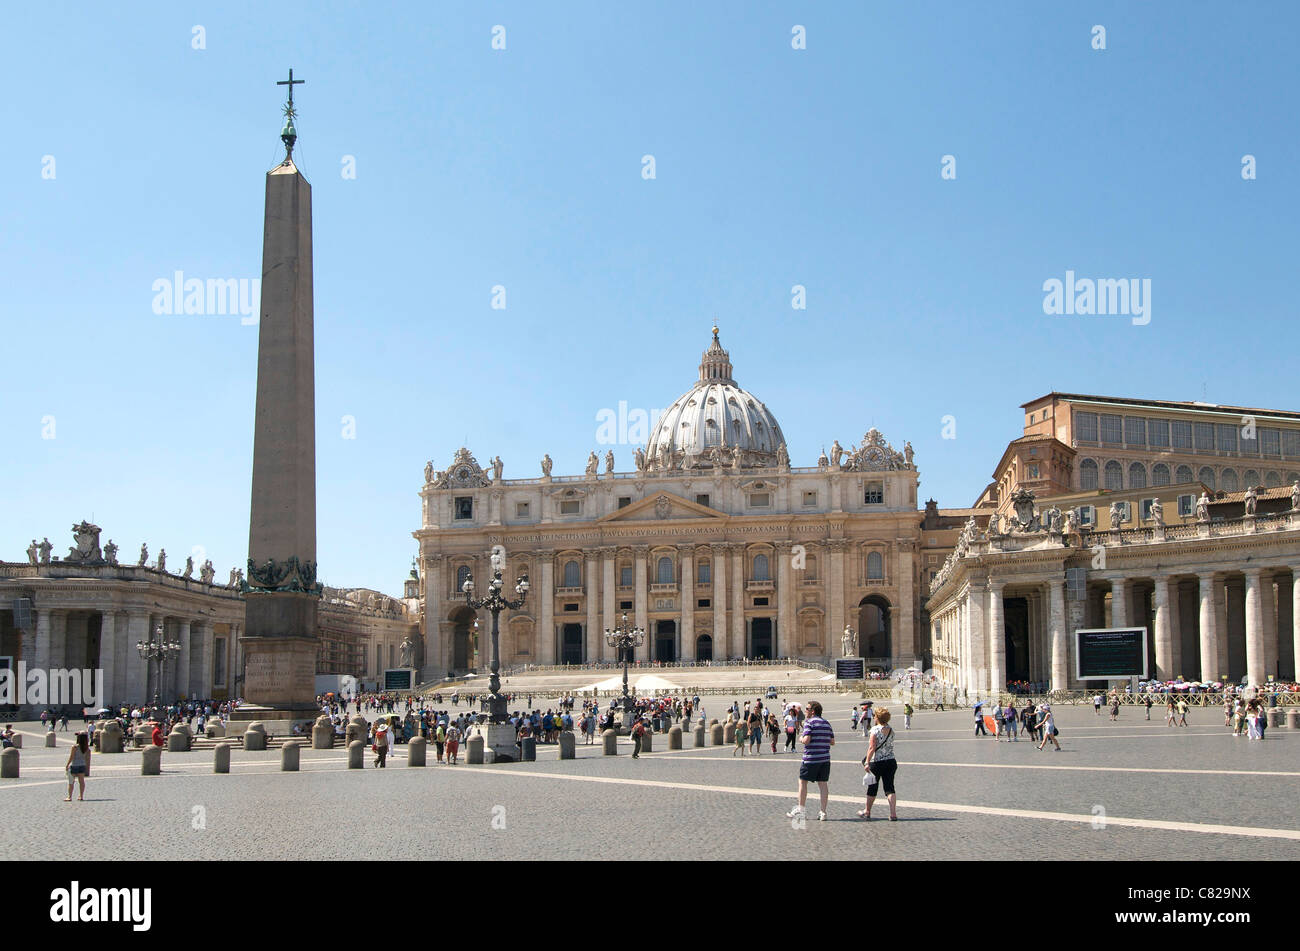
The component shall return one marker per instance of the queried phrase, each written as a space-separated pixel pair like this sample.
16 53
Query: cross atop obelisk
289 135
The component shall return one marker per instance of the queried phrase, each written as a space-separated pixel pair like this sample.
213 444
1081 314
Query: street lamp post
496 604
158 650
625 639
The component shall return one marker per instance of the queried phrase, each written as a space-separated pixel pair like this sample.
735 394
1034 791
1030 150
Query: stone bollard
96 737
417 751
1275 717
215 729
568 745
322 734
1293 718
151 761
528 750
610 739
50 740
221 758
255 737
289 756
713 722
178 741
729 733
699 736
647 742
474 749
716 734
18 741
356 754
110 737
675 738
9 764
355 732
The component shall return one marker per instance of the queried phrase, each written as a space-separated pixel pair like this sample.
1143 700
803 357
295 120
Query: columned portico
1119 603
1163 634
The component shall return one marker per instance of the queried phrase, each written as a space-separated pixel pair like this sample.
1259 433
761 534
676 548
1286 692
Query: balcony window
761 572
664 574
875 566
572 575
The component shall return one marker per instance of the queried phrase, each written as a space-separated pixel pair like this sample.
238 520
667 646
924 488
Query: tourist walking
817 738
440 740
1011 715
880 766
742 734
381 746
1114 708
791 729
78 766
1171 713
638 732
1047 724
1182 712
868 718
1096 703
979 720
907 716
1029 722
1148 705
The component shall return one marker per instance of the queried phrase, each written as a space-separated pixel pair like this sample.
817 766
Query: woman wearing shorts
881 764
78 766
1047 725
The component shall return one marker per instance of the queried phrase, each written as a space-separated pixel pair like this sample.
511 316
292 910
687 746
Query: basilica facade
714 545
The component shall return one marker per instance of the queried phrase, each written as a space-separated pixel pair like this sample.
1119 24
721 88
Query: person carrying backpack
638 731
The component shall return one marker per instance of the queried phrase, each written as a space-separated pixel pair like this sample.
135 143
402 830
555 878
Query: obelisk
281 592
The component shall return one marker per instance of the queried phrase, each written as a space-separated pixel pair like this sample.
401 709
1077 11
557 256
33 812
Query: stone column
996 637
1254 628
608 601
719 569
1295 619
1175 631
739 647
1163 634
786 596
435 589
205 648
1119 595
1268 617
41 654
1075 612
58 639
1059 645
136 670
546 626
686 560
1221 624
641 603
182 661
835 594
109 649
1056 623
904 634
977 614
593 636
1208 630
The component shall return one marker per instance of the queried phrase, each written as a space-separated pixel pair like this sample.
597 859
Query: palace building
714 544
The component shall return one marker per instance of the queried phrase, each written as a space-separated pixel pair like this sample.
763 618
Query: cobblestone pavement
1131 789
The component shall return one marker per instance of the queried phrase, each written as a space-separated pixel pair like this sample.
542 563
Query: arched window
1228 480
664 573
1137 476
1088 474
875 566
1206 475
1114 476
461 574
760 568
572 575
1160 474
1184 475
1272 481
1292 478
1251 477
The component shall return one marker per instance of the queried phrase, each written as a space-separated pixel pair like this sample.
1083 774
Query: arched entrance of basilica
875 639
462 640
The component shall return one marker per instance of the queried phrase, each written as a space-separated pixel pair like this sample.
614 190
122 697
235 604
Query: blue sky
523 168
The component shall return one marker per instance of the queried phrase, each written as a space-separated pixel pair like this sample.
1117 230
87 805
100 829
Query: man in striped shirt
817 739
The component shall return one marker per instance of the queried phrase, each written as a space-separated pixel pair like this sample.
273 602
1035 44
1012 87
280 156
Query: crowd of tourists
1035 720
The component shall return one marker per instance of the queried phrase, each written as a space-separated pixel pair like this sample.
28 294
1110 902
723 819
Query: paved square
1133 789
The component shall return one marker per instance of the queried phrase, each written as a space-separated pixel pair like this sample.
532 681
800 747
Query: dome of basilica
716 424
